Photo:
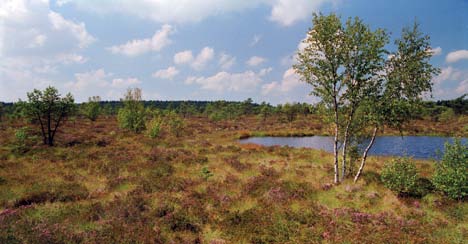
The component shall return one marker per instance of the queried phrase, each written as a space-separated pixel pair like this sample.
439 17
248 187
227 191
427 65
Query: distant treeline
459 105
219 110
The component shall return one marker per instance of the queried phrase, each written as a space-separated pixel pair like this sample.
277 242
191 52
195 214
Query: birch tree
408 77
321 65
343 64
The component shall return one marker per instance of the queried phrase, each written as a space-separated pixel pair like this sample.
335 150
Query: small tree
289 111
447 115
154 127
400 176
408 76
176 123
92 109
265 111
132 115
342 63
48 109
451 175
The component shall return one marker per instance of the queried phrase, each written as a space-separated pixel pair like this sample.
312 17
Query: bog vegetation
134 171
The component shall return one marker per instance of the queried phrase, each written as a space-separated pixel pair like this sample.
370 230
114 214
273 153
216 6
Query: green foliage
132 115
176 124
451 175
459 105
186 109
154 127
265 111
48 109
289 111
92 109
20 144
447 115
206 173
400 175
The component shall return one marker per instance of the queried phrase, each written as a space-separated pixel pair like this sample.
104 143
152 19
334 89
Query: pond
421 147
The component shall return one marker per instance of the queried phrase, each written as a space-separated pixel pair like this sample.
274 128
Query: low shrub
451 175
400 175
23 141
176 124
206 173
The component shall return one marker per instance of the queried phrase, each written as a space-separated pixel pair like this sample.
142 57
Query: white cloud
70 58
86 84
255 61
96 79
288 12
283 12
77 30
35 42
202 59
436 51
168 73
124 83
456 56
255 40
183 57
136 47
450 83
449 73
38 41
462 87
225 81
226 61
265 71
289 82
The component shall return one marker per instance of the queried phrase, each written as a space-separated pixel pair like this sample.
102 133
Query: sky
200 49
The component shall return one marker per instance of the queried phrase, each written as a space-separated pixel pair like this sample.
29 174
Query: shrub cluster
400 176
451 175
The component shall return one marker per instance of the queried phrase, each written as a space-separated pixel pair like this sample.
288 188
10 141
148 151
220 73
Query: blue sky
199 49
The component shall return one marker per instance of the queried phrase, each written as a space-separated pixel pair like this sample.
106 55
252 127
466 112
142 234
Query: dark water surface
423 147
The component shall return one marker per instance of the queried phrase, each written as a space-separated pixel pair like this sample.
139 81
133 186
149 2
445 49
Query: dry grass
101 184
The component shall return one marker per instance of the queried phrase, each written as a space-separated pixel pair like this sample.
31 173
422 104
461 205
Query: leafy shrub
176 124
400 176
451 175
132 115
206 173
154 127
20 143
92 108
447 115
132 119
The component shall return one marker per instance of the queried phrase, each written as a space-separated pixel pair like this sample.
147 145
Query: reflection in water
424 147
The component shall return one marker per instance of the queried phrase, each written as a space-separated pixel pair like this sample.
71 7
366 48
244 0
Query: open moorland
103 184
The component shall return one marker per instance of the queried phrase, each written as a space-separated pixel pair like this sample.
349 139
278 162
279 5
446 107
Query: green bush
154 127
176 124
21 137
400 175
132 115
447 115
206 173
92 109
451 175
